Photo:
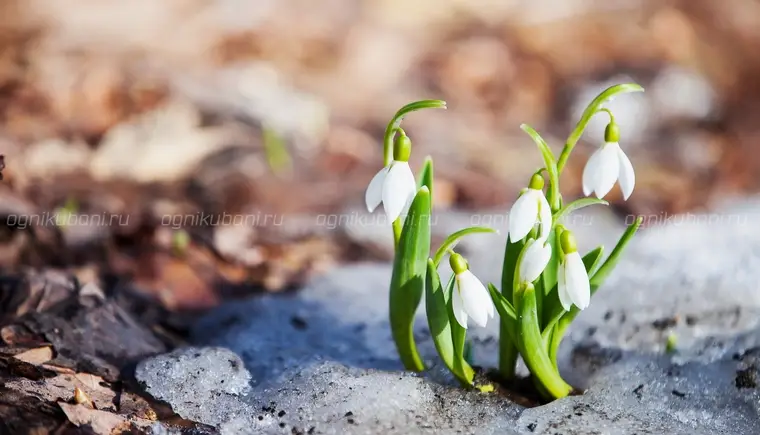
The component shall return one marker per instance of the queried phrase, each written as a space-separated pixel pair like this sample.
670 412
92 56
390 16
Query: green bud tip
612 132
536 182
458 263
567 242
402 148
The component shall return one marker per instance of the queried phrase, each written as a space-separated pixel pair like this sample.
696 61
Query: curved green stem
609 112
594 107
550 164
577 205
393 125
452 239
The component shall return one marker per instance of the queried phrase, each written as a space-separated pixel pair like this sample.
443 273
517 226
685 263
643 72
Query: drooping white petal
576 281
374 195
626 178
544 216
477 301
564 298
523 214
534 260
607 170
398 187
475 297
590 172
457 306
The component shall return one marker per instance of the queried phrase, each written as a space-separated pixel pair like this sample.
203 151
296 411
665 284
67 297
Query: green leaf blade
592 258
533 350
507 346
408 279
437 309
503 307
609 264
426 175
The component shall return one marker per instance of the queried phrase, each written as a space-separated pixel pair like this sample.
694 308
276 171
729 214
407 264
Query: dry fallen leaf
64 387
101 422
36 356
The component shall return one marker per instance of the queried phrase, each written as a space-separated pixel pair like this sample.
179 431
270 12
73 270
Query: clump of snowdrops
545 281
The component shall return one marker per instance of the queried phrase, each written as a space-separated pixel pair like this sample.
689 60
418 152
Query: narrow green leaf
550 163
609 264
454 238
577 205
592 258
467 354
426 175
511 254
390 130
590 111
437 308
547 336
503 306
550 272
408 279
533 350
516 283
508 352
436 302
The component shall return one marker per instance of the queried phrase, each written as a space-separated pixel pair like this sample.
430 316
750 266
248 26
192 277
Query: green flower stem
593 107
508 353
609 264
553 196
390 133
451 241
532 347
577 205
393 125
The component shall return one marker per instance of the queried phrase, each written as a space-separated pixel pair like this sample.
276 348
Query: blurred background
144 109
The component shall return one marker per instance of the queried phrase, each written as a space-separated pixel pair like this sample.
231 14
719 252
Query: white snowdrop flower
530 208
394 185
470 298
607 165
572 280
534 260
